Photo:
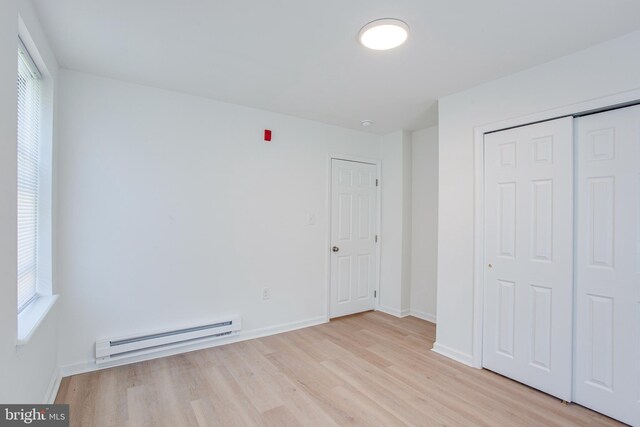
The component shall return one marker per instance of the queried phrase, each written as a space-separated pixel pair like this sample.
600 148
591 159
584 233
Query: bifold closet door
607 374
528 291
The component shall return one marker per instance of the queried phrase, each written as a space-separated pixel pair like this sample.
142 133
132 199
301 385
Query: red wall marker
267 135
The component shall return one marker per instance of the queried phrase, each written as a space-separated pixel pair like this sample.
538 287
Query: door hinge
376 238
376 182
375 294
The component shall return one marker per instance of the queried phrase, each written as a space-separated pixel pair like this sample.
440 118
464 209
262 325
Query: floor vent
129 346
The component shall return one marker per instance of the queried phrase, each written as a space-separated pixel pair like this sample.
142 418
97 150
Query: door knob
335 249
490 266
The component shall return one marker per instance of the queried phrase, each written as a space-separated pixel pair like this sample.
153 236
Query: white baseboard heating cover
129 346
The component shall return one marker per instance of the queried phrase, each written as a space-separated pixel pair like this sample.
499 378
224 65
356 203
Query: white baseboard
89 366
393 311
451 353
423 315
52 390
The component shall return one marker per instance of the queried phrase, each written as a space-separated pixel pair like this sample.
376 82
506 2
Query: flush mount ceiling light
366 123
383 34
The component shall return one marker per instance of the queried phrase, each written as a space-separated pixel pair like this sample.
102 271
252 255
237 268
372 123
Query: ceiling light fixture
383 34
366 123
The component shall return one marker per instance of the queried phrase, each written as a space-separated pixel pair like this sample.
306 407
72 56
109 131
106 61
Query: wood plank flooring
369 369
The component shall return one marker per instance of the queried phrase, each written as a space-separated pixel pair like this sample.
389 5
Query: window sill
32 316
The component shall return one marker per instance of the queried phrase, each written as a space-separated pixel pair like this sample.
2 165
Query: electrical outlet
266 293
311 219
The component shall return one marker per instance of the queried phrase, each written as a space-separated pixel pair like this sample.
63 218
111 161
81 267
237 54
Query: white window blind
29 113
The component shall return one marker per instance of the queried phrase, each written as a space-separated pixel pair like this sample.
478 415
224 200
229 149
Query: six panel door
353 233
527 320
607 372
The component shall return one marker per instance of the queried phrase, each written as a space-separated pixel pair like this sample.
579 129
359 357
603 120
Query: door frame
378 164
619 100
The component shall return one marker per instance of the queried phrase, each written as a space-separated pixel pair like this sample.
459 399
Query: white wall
172 210
26 372
424 240
395 238
406 220
602 70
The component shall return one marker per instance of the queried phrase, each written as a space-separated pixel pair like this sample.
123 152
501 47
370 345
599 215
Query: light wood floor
368 369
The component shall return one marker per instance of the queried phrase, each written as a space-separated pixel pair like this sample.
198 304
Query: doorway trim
617 100
378 164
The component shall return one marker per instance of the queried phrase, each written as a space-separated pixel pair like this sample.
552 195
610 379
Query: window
29 117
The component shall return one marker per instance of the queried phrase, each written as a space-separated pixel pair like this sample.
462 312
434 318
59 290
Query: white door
353 237
607 372
527 325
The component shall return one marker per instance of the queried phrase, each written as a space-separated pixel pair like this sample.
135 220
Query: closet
562 259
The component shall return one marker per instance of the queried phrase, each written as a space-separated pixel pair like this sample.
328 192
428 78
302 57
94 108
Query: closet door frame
619 100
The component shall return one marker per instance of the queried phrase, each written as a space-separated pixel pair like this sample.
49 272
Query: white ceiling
302 58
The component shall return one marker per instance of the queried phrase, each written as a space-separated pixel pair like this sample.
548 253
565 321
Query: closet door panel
528 296
607 354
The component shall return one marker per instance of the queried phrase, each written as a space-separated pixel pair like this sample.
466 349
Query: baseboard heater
134 345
